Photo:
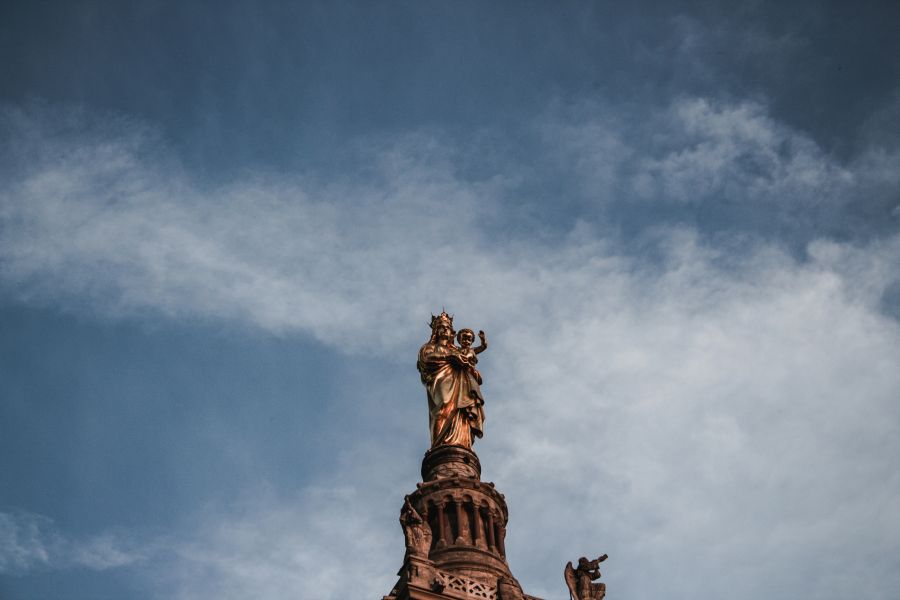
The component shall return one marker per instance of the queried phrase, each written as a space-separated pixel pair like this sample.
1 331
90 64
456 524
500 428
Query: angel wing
569 574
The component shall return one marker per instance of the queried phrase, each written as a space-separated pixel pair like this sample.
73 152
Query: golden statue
453 384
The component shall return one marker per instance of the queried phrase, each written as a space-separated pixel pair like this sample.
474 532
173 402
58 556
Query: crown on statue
442 318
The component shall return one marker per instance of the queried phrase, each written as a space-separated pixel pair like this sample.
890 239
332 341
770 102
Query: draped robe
455 413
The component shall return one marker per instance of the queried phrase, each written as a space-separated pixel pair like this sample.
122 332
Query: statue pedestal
450 461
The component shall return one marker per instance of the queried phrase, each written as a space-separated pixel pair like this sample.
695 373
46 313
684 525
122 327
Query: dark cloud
287 83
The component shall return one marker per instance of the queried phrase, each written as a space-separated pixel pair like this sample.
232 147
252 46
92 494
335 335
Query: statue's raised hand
484 343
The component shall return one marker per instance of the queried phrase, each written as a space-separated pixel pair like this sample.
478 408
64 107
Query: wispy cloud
30 542
731 164
310 546
265 546
98 221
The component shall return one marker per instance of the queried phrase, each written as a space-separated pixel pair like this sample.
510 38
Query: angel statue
580 579
415 530
453 384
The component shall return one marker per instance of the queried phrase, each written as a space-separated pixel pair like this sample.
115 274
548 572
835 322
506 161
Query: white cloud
324 543
729 427
30 541
739 153
723 424
702 151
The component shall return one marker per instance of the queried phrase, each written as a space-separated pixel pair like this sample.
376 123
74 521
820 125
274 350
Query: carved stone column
492 543
462 524
479 541
442 526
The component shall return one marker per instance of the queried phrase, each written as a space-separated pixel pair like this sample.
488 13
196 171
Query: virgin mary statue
455 412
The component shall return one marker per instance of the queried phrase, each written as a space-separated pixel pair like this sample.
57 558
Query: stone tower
455 527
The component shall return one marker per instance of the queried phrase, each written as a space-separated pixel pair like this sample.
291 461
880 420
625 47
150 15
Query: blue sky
223 229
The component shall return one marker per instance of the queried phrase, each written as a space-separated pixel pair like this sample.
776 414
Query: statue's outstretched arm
484 344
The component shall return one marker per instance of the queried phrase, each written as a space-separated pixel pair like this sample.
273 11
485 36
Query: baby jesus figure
468 354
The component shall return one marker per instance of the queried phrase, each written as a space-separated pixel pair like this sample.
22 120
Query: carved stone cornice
457 488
